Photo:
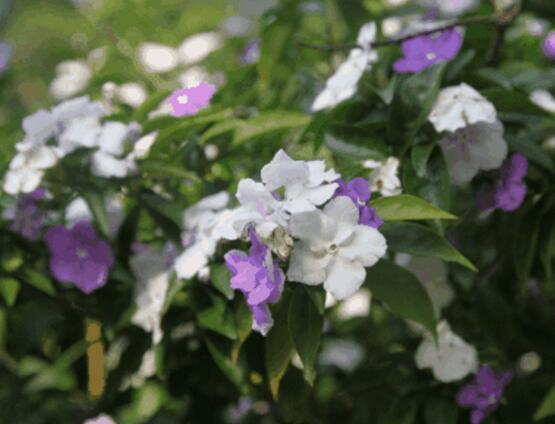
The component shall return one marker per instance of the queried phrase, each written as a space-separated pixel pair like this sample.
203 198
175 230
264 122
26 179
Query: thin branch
480 20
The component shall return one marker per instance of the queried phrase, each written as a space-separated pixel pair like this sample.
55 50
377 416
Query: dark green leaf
97 206
218 318
401 291
305 328
9 288
547 407
221 280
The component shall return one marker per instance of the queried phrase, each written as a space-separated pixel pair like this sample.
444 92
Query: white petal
305 266
82 132
112 137
196 47
77 210
157 58
142 147
307 225
543 99
283 171
344 277
108 166
358 305
491 149
190 262
132 94
341 219
366 246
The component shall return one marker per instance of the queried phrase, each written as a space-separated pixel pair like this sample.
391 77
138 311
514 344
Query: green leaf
9 288
412 103
165 169
225 364
419 240
97 206
318 297
531 150
39 281
163 206
401 291
420 154
218 318
355 147
221 280
547 407
441 411
243 322
278 346
407 207
305 328
267 123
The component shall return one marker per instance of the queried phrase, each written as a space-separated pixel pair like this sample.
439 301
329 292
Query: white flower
102 418
39 127
543 99
157 58
107 161
131 93
72 77
384 177
150 270
452 360
27 169
474 148
203 223
196 47
194 75
356 306
236 26
146 370
142 146
343 83
459 106
81 132
78 210
451 7
344 354
333 248
432 273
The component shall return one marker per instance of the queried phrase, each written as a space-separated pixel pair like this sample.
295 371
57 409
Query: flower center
431 56
332 248
82 253
492 399
183 99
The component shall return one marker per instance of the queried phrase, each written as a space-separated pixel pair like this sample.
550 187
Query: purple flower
359 192
549 46
27 218
5 56
427 50
188 101
510 190
79 256
251 54
484 394
259 278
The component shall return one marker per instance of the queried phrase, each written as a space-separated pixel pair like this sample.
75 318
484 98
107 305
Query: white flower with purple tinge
153 276
460 106
384 177
452 359
359 192
343 83
474 148
333 248
259 277
27 217
205 223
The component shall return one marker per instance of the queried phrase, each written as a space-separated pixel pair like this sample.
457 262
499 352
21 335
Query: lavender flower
251 53
549 46
27 218
484 394
359 192
427 50
188 101
510 190
259 278
79 256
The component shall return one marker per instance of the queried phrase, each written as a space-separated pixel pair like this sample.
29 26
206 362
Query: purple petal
92 276
58 239
360 186
64 268
477 416
468 396
368 216
262 319
486 379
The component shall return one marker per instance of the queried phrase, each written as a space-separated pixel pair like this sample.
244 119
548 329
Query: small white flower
81 132
452 360
107 161
346 355
196 47
459 106
451 8
476 147
150 270
203 223
333 248
146 370
343 83
102 418
356 306
27 169
72 77
157 58
142 146
385 176
543 99
131 93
